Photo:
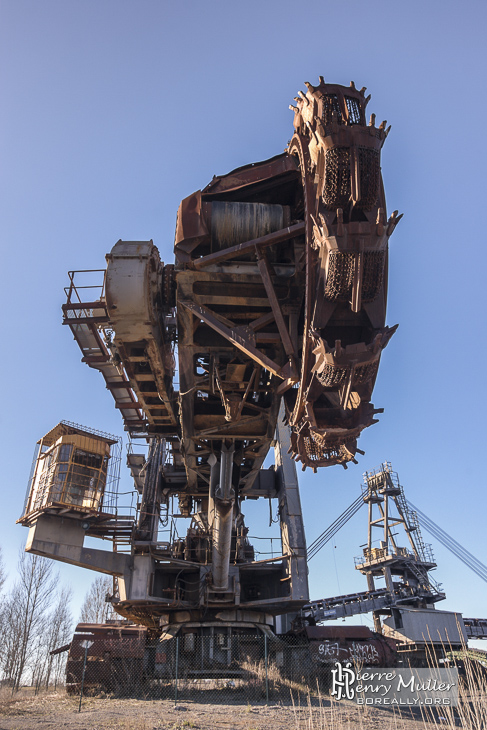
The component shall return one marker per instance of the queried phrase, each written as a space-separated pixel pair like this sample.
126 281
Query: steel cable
331 531
452 545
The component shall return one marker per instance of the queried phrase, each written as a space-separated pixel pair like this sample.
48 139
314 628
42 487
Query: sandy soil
56 710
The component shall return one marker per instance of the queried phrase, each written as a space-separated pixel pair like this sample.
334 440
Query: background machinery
402 604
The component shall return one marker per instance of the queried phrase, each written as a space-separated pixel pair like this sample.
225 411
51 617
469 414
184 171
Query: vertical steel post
223 504
293 540
177 670
83 677
266 675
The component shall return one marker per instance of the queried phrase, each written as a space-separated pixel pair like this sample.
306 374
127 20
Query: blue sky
113 111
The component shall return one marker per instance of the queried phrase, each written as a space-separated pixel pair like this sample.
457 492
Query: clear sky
114 110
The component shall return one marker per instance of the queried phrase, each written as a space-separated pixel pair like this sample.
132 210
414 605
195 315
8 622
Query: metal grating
336 192
331 109
373 275
353 108
369 161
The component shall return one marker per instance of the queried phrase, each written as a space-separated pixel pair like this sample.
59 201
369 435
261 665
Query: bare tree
10 629
3 577
57 667
3 574
57 633
95 608
25 610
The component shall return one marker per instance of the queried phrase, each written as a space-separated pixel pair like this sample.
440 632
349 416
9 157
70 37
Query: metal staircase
85 320
118 530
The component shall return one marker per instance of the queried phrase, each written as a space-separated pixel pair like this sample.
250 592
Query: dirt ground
54 711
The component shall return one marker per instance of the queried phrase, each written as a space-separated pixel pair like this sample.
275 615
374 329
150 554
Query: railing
383 554
73 296
85 302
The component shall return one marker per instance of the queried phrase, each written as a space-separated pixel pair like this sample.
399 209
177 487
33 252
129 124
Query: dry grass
304 710
470 714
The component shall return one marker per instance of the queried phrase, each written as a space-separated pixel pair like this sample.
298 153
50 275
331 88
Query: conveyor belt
329 609
84 320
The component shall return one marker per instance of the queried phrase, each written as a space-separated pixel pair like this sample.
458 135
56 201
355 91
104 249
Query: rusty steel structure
346 239
273 316
405 570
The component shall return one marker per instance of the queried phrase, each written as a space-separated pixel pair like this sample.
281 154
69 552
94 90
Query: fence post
177 669
266 675
83 675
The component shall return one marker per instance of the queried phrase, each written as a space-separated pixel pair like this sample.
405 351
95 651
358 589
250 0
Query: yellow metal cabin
69 473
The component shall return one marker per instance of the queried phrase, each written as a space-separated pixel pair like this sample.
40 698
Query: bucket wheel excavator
274 311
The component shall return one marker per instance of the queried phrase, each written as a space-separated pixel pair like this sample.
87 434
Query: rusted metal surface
115 656
346 272
331 325
255 178
249 246
276 299
356 644
281 274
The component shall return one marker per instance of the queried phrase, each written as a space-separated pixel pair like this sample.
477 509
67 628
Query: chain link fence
208 669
